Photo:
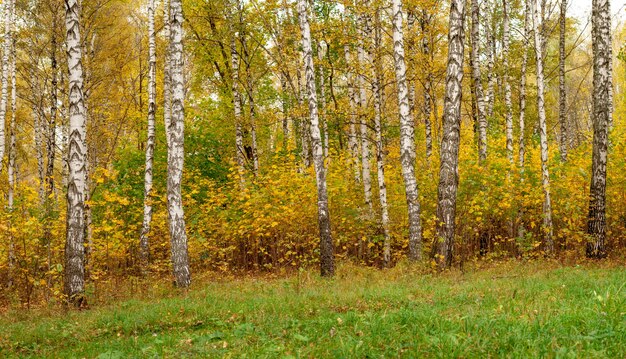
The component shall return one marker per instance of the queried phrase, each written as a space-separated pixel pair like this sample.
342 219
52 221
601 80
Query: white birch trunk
563 139
449 154
545 176
491 77
234 58
407 137
144 247
321 50
8 20
377 79
75 241
602 114
522 87
353 143
175 153
505 80
363 55
477 85
429 98
167 73
327 261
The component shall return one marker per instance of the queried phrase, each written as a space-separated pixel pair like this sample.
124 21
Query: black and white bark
563 139
76 182
377 91
327 260
449 154
543 135
6 64
490 50
407 137
429 98
144 248
602 113
353 144
364 61
240 153
477 85
505 81
321 52
167 73
175 151
522 86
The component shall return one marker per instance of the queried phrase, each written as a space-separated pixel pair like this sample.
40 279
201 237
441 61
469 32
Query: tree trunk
167 73
363 54
175 153
352 136
321 49
407 137
522 87
545 176
449 154
285 104
505 80
429 98
12 153
147 201
8 21
562 115
75 241
327 260
477 85
380 151
602 113
234 57
491 76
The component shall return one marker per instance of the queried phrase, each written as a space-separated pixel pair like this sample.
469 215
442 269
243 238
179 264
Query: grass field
513 309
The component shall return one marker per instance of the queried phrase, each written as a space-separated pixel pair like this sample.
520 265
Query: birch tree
377 80
522 86
167 73
353 144
75 241
449 153
477 86
6 48
407 137
175 151
429 98
147 193
363 56
562 94
505 80
602 113
327 260
543 136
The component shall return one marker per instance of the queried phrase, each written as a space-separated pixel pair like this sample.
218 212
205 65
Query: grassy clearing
511 310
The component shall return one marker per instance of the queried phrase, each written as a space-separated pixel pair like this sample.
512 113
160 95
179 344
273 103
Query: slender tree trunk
175 153
602 113
37 128
545 176
407 137
305 135
167 74
8 21
449 154
12 149
380 151
327 260
477 85
234 56
352 136
491 76
363 54
562 115
522 110
75 241
321 50
505 79
285 104
429 98
147 193
411 76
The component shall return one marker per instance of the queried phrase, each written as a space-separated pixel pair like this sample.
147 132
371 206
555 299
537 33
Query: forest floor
511 309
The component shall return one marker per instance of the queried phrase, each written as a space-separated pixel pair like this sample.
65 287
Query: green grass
511 310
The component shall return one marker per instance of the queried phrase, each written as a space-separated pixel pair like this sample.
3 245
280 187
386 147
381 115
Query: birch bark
75 241
327 260
477 85
563 140
449 154
147 193
545 175
407 137
602 114
175 153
